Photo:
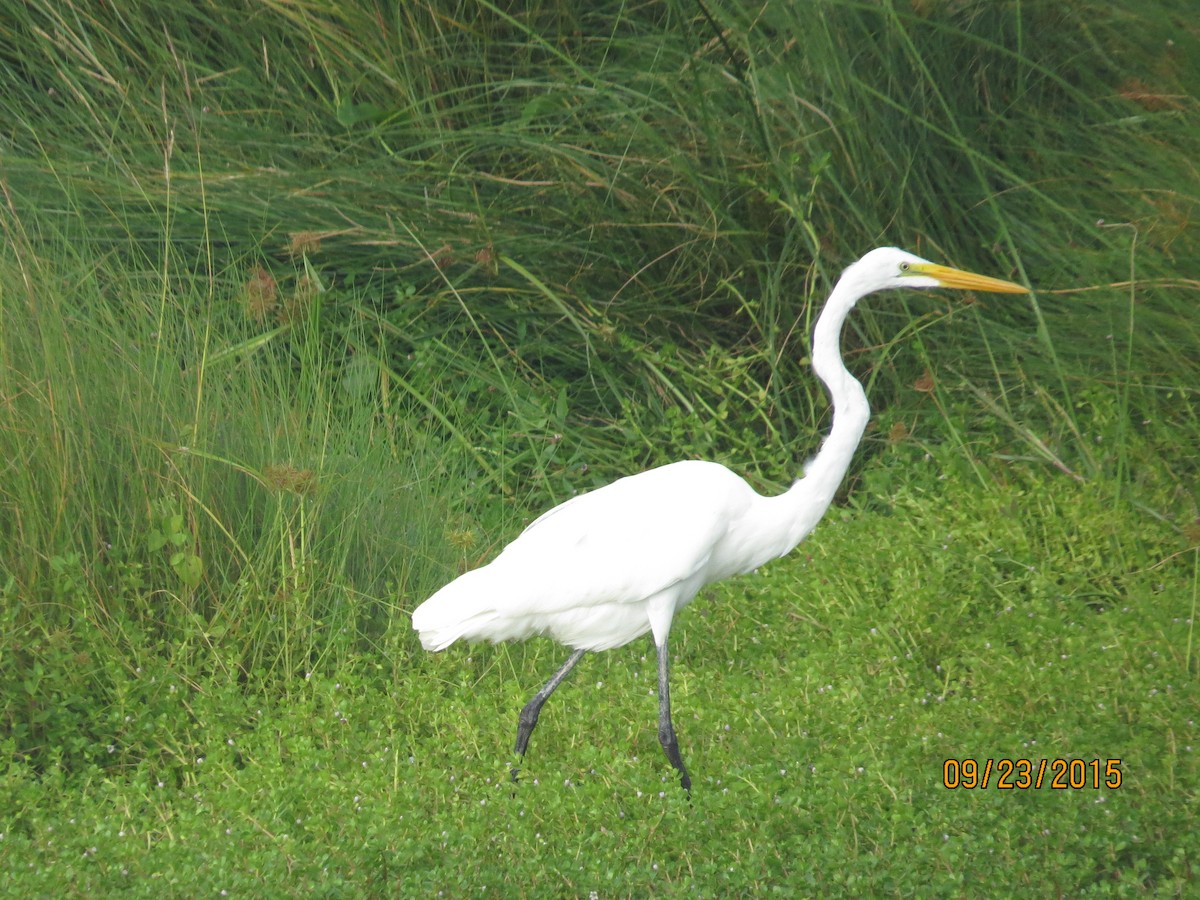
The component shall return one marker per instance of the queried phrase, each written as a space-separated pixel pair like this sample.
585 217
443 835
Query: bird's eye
903 267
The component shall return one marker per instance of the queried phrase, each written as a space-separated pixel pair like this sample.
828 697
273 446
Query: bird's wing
621 544
624 542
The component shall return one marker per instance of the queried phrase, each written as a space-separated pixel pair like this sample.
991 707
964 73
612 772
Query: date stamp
1032 774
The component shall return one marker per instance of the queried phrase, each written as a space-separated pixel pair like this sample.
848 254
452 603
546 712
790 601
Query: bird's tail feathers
457 611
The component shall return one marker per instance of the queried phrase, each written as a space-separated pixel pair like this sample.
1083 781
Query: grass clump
168 478
303 309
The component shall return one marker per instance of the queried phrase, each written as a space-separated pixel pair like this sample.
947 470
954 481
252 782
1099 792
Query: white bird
607 566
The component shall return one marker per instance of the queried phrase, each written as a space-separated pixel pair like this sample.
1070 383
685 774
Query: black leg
529 715
666 731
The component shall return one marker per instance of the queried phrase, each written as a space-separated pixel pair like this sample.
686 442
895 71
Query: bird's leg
666 731
529 715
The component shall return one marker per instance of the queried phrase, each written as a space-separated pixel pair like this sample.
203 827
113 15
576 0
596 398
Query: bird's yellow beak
967 281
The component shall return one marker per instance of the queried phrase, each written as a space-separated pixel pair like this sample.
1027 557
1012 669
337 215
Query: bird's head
889 267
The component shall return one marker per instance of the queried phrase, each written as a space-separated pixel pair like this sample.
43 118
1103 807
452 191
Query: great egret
607 566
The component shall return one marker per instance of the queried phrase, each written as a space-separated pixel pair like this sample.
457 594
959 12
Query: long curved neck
781 522
850 409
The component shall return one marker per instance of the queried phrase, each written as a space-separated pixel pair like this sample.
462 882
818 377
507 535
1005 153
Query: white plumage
696 524
605 567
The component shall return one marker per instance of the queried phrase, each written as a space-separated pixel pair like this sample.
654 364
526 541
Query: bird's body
697 523
605 567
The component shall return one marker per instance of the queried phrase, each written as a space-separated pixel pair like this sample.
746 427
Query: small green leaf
189 568
351 114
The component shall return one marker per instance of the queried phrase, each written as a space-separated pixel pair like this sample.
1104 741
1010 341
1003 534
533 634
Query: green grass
817 704
303 309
